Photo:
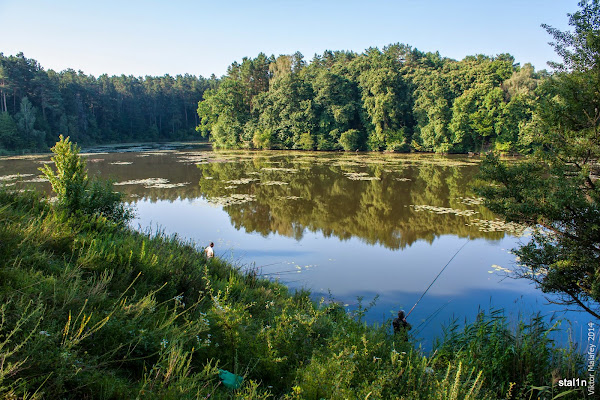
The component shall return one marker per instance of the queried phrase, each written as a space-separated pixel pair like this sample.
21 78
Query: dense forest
36 106
394 99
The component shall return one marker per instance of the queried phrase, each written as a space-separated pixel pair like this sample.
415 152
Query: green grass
92 310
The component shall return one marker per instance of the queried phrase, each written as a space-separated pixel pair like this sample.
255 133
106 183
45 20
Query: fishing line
438 275
427 320
280 272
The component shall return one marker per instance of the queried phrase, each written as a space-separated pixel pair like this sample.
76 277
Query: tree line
395 99
36 106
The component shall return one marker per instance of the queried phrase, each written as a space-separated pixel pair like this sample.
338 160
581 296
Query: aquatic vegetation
146 182
498 225
38 179
274 183
288 170
349 163
444 210
471 201
498 268
360 176
13 177
193 157
25 157
232 199
242 181
156 183
168 185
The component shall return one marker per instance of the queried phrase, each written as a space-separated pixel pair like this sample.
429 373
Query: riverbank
94 310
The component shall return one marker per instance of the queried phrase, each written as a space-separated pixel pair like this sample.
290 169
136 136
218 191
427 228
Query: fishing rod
438 275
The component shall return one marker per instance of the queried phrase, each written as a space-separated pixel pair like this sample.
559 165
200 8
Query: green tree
26 118
70 180
9 135
76 193
556 191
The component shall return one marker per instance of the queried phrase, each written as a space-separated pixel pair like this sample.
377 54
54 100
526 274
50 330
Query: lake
345 226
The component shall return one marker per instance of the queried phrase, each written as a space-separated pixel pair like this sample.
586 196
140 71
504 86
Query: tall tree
557 190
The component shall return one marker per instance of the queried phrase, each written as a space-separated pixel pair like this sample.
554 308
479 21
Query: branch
567 234
580 303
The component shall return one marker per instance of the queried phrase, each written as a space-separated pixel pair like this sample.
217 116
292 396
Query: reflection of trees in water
377 211
318 196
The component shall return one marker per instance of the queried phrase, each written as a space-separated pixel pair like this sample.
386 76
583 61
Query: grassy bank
92 310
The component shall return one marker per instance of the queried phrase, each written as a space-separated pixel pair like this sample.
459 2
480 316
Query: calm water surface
342 225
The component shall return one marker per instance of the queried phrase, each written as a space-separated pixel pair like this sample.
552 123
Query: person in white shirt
210 253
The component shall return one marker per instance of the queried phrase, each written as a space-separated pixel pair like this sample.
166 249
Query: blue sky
152 37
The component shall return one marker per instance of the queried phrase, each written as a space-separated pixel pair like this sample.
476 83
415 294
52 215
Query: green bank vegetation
92 309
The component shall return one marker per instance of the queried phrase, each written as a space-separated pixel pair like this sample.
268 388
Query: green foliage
509 359
579 49
91 310
70 180
306 141
556 190
75 192
394 99
263 139
9 135
350 140
91 110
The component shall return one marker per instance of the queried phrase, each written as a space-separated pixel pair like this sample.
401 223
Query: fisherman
400 325
209 250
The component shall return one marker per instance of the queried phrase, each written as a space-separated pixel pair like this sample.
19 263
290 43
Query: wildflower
429 370
164 343
44 333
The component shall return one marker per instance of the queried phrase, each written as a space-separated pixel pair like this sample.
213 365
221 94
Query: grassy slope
92 310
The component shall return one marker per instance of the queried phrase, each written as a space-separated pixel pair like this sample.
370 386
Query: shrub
350 140
76 192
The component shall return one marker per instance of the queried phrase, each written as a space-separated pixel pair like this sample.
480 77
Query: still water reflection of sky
340 225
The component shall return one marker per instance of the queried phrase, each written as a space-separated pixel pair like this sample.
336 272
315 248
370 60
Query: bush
76 193
350 140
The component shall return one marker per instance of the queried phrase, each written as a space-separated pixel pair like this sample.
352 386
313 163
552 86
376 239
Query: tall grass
92 310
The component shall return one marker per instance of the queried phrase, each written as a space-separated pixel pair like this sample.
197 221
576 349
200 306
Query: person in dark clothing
400 325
